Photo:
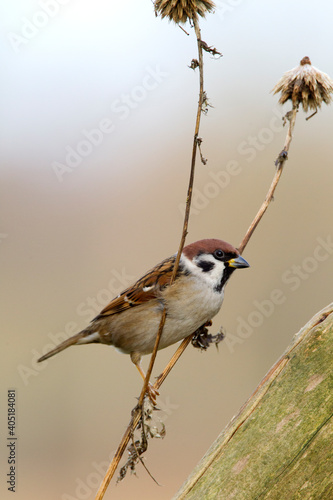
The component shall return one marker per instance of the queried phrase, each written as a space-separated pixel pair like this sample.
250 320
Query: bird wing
146 288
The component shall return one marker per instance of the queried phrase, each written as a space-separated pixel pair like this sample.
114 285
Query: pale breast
189 305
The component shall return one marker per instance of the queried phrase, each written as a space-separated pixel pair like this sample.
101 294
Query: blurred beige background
73 236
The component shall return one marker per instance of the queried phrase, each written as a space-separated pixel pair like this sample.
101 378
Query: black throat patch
225 276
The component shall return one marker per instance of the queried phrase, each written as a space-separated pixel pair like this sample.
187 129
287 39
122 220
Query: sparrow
130 322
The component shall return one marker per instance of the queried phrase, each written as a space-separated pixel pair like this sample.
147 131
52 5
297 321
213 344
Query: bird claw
152 393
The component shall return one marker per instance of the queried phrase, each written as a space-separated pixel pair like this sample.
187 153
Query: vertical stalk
187 208
137 412
282 158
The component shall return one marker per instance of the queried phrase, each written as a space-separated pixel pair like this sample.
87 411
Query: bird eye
219 254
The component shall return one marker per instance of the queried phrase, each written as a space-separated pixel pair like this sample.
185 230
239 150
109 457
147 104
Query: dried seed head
305 85
180 11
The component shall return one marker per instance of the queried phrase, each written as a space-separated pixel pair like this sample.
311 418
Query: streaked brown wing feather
145 289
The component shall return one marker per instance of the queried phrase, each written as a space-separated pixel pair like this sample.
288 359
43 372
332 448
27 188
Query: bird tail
80 338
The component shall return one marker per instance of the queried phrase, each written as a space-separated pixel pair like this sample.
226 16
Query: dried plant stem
137 411
194 148
282 158
187 208
172 362
136 416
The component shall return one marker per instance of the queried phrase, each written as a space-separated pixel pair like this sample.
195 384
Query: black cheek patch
205 265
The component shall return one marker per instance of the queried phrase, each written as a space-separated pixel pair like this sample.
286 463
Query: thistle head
181 11
305 85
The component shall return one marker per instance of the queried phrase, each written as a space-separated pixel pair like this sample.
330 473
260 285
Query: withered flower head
305 85
180 11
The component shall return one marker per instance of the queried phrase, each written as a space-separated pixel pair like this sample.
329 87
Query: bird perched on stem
130 322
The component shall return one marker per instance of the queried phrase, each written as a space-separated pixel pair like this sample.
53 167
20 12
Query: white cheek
215 275
212 277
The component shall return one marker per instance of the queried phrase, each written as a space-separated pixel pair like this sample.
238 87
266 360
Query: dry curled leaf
202 339
138 447
211 50
194 64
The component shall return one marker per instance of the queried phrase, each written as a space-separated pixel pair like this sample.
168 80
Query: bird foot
152 393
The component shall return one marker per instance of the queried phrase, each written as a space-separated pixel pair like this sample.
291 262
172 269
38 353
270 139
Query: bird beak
238 262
